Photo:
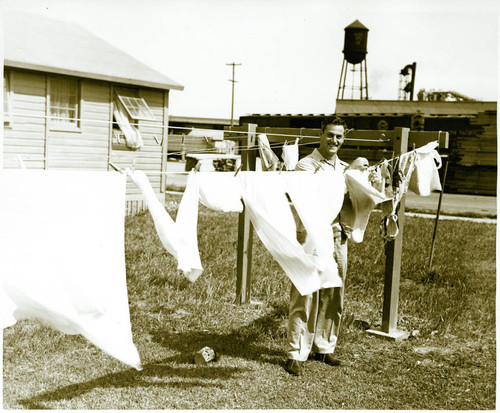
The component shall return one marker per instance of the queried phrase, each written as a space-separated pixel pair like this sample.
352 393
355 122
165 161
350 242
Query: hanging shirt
62 255
179 238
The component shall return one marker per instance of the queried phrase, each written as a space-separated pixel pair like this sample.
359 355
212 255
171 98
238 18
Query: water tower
355 41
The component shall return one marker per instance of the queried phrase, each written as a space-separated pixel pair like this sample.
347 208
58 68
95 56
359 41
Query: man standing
314 319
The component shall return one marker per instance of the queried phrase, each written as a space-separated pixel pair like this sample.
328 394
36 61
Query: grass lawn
449 362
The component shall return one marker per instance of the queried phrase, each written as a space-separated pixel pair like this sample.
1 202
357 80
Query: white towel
62 255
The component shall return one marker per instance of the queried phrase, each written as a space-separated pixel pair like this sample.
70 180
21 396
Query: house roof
352 107
36 42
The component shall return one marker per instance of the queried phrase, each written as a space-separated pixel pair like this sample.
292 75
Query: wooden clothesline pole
393 252
399 140
245 228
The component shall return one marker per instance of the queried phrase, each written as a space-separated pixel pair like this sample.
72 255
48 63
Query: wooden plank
393 251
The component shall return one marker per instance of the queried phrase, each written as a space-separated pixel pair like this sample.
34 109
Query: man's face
331 139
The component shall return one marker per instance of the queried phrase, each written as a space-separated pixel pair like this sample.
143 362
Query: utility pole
233 81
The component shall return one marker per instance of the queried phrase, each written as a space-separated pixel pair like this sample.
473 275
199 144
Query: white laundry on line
318 198
62 255
270 213
364 198
220 191
180 237
425 177
290 155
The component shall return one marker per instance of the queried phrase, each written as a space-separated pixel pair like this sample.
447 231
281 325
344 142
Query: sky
290 51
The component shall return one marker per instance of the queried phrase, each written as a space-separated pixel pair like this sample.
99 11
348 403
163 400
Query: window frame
130 109
131 131
8 96
58 125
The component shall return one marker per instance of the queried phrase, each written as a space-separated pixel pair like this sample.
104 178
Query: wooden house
74 101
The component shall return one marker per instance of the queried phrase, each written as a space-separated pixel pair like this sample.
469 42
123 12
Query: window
128 110
7 98
64 96
137 108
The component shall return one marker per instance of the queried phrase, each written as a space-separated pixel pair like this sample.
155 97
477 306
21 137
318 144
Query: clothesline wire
146 123
33 157
172 153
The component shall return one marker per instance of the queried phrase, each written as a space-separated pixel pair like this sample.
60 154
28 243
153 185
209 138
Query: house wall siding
26 134
90 147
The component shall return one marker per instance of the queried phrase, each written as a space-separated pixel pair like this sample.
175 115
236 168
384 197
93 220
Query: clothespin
297 140
317 169
237 170
116 168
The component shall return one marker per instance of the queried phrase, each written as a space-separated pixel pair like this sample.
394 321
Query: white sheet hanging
425 176
220 191
179 238
62 255
264 197
318 198
364 198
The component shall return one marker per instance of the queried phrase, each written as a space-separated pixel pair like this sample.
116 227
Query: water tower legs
354 86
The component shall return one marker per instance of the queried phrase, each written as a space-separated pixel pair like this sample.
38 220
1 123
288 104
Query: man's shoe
328 359
294 367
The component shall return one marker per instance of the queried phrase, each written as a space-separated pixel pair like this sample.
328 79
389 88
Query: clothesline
19 159
198 151
145 123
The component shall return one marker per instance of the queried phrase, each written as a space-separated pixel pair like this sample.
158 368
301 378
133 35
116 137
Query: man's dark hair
332 120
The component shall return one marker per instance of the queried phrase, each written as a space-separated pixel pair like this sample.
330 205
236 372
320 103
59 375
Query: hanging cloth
290 155
318 198
268 208
62 258
268 158
220 191
425 176
180 237
402 171
364 198
132 134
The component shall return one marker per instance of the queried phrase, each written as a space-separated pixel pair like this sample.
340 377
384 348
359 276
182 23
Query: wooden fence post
393 250
245 229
